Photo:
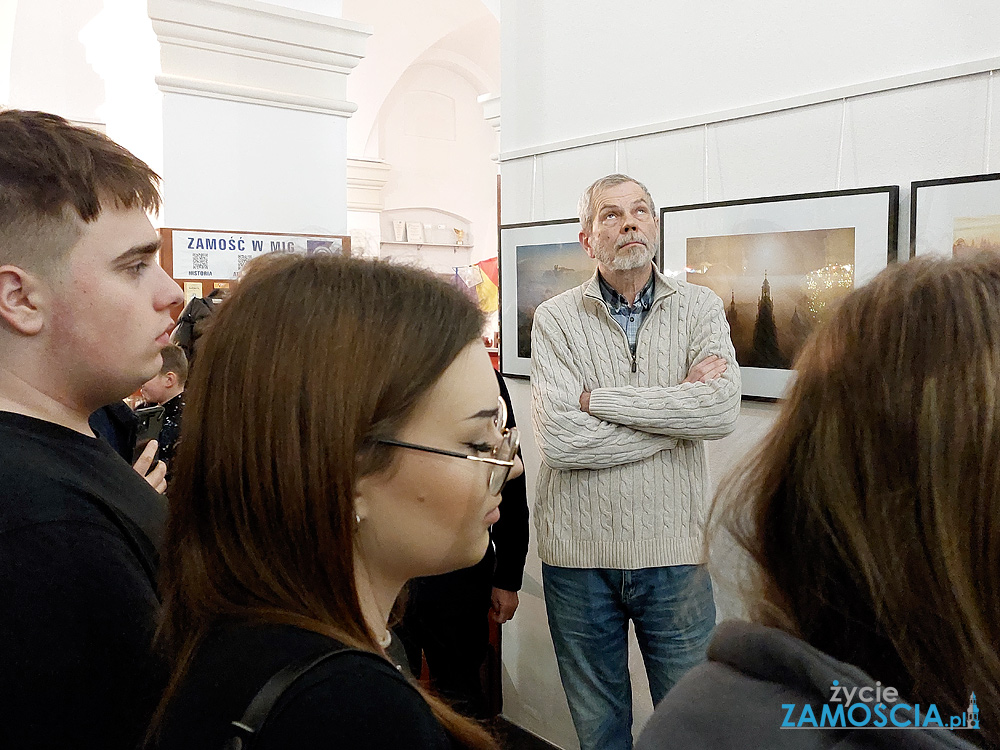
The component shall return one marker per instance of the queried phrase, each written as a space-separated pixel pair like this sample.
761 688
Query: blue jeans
589 609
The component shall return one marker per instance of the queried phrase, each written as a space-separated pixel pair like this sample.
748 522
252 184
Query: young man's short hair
175 361
53 175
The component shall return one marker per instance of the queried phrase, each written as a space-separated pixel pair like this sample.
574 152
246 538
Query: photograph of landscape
776 286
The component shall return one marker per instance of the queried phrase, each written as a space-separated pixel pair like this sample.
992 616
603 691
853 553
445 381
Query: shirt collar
616 301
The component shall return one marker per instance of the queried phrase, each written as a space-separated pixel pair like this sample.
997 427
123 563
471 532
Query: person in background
327 459
446 617
630 373
116 424
84 313
166 389
193 320
869 519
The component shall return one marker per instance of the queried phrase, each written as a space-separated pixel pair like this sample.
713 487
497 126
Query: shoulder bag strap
246 729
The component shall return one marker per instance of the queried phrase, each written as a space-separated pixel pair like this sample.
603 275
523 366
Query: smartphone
150 423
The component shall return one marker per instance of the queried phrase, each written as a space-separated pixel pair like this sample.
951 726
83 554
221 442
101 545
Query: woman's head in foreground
872 509
282 492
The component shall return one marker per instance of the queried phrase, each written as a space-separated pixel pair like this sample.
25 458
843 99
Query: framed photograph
779 264
955 215
537 261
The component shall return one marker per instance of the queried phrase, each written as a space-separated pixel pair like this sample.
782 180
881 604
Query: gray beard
636 257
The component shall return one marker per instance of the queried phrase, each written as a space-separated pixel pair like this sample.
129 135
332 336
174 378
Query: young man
630 373
166 389
84 313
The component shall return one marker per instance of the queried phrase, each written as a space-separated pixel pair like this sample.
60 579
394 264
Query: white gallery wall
719 101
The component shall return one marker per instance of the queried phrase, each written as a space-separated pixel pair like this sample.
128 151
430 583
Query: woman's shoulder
356 700
353 699
755 688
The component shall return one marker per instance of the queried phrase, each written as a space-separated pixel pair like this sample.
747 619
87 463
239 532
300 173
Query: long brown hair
309 358
871 509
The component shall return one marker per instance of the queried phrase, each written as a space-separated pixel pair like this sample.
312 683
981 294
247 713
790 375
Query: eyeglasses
501 458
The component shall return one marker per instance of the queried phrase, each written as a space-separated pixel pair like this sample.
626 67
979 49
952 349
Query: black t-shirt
350 701
78 529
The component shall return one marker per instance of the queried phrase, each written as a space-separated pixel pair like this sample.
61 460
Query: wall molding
258 53
365 180
962 70
491 110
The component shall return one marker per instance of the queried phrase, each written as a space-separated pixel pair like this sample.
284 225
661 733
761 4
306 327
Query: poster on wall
779 264
955 215
207 255
538 260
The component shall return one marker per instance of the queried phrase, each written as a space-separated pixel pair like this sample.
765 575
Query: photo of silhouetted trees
776 286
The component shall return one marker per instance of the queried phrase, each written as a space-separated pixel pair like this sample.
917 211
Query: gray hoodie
741 697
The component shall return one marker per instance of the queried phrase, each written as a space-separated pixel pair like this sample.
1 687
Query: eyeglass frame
505 434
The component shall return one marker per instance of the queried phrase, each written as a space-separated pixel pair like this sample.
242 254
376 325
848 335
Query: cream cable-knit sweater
624 486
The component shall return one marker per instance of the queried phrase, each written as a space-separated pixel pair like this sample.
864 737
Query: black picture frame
942 208
524 249
844 236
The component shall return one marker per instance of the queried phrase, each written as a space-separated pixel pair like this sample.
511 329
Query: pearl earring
357 518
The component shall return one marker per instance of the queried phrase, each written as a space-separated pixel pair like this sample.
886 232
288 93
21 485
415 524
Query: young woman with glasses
343 434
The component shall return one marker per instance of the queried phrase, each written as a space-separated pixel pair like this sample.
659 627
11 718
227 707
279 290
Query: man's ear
171 378
585 243
21 300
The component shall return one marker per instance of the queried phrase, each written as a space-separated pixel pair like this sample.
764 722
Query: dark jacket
741 697
116 423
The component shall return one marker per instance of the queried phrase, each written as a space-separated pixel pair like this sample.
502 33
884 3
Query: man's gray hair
586 207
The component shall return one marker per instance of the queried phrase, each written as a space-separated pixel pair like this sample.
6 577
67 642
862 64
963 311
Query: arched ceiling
457 33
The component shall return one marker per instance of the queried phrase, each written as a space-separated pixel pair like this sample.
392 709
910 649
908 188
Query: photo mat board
537 260
779 264
955 215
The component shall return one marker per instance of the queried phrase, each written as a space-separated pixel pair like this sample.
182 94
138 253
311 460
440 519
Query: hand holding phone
157 475
150 420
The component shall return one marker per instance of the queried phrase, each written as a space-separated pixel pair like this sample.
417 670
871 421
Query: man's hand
585 401
713 366
157 478
504 605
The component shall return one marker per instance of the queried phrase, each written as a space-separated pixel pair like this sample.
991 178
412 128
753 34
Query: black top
356 701
77 584
510 533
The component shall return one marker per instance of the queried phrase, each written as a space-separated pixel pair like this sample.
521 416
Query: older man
630 373
84 313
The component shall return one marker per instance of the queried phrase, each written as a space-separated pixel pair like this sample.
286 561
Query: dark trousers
446 621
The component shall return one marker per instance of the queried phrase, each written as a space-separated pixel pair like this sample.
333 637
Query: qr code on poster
242 260
200 261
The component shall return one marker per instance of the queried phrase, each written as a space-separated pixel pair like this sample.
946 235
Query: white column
366 179
254 114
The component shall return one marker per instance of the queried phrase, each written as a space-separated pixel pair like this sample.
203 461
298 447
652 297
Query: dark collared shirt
628 315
